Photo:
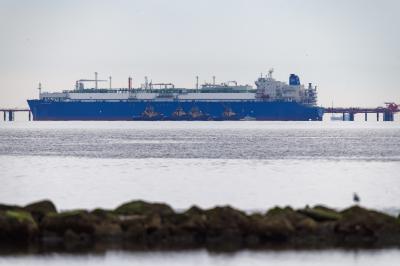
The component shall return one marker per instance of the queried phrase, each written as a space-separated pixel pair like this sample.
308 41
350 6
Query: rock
278 210
221 219
307 225
194 210
185 229
321 213
17 226
5 207
155 229
78 221
105 214
77 242
71 236
225 226
195 220
108 231
140 224
99 224
299 221
40 209
107 225
276 227
366 226
133 228
139 207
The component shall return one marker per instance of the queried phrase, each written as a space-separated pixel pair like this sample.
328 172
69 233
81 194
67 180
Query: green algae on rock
139 207
17 226
40 209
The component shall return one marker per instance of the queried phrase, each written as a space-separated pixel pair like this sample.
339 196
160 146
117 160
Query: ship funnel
294 80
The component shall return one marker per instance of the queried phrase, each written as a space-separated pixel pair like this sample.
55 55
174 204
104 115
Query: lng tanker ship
270 100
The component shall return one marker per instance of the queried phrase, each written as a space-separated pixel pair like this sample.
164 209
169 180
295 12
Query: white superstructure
268 89
272 90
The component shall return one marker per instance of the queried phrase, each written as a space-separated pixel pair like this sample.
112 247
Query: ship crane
232 81
79 83
165 85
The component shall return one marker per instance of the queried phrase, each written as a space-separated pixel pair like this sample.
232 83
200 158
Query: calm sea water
388 257
250 165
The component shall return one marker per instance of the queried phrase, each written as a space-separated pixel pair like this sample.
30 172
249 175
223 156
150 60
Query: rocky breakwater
143 225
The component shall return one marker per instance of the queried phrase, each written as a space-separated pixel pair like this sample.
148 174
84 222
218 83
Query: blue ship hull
173 110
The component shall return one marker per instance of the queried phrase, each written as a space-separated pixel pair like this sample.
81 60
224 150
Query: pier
387 112
9 113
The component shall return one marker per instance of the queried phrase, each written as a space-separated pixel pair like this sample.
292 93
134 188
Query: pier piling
10 115
388 116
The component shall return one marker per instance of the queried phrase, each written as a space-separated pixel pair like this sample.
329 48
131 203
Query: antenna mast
40 89
95 79
270 71
146 82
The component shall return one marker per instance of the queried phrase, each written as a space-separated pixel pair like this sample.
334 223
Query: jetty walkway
387 112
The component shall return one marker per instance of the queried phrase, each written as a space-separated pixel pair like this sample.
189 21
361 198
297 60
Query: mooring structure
386 112
348 113
9 113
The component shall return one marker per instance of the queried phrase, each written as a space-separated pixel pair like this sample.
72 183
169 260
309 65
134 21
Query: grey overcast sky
350 49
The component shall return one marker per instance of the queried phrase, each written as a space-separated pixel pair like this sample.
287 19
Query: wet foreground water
389 257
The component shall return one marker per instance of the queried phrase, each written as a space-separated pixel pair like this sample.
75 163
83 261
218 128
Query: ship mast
95 80
40 89
270 71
